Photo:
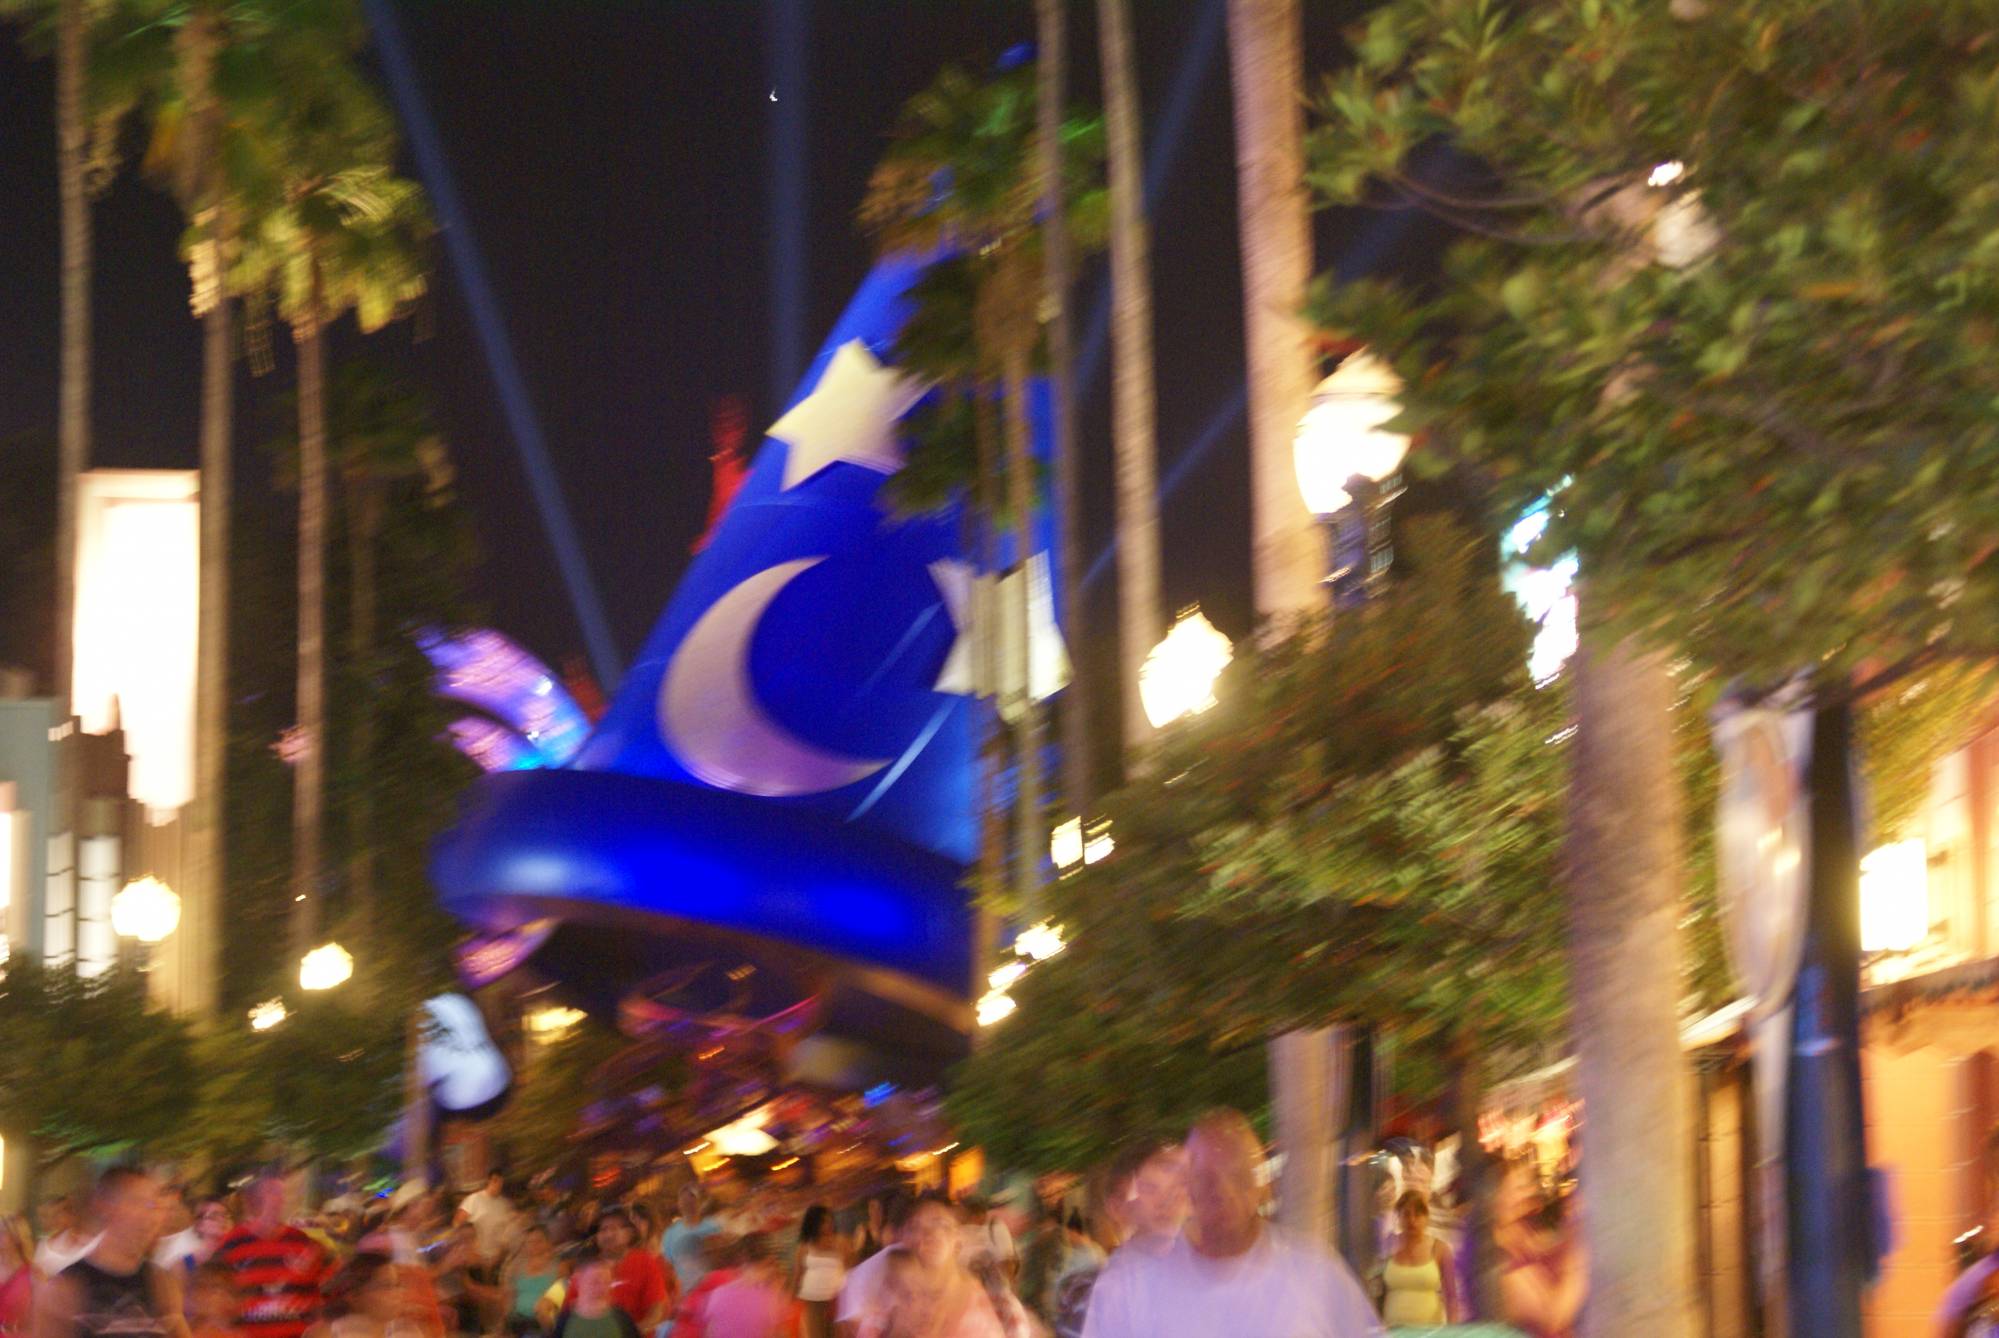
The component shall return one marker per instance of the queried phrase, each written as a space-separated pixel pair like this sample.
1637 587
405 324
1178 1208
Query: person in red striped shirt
281 1273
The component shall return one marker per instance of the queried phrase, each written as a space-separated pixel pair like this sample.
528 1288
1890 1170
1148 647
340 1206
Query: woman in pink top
755 1303
17 1276
928 1293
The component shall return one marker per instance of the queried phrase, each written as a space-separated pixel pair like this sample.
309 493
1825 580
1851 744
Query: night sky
614 160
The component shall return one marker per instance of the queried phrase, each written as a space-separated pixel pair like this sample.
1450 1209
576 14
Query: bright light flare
138 582
1039 942
1178 676
1666 173
268 1014
744 1138
1894 897
325 967
553 1022
145 909
1007 975
995 1007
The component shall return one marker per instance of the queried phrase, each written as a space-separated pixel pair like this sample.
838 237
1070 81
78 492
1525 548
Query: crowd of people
1169 1239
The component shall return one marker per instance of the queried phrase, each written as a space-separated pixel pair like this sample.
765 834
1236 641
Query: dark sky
613 159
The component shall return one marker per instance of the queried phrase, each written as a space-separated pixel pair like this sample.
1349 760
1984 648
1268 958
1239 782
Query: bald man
1230 1272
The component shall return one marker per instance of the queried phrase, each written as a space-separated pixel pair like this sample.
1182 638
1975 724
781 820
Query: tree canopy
1726 282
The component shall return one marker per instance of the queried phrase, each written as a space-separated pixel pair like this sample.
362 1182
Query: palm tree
170 52
1052 69
1266 61
1267 66
332 229
73 419
961 175
382 437
70 20
1134 403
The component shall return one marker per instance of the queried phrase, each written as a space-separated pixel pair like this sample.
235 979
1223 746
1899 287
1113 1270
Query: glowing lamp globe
1178 676
1341 436
324 967
145 909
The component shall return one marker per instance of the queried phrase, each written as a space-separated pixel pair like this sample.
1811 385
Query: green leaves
1355 832
1761 445
86 1062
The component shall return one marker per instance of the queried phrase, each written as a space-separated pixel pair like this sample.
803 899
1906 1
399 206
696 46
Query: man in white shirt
64 1239
985 1237
1244 1275
860 1294
492 1218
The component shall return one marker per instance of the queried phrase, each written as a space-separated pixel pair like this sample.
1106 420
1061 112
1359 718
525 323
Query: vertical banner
1762 833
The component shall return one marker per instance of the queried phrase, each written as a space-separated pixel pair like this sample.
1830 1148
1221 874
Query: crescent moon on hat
708 710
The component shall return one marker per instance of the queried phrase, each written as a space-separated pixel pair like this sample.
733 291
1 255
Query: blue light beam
788 173
491 328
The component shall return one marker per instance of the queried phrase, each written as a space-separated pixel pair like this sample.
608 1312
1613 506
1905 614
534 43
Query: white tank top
820 1274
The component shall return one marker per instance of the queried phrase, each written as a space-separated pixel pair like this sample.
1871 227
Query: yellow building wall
1914 1110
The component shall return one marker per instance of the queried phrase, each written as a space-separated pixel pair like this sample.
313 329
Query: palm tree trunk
309 762
73 415
1031 840
364 528
1267 65
1052 69
1623 872
986 677
1133 401
197 947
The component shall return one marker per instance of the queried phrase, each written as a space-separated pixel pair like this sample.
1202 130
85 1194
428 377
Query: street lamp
324 967
1350 468
1178 676
145 909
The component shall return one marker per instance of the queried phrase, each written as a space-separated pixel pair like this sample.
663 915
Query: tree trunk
1031 836
1308 1092
73 415
309 758
1624 873
1267 67
200 969
1052 69
1134 405
988 739
364 528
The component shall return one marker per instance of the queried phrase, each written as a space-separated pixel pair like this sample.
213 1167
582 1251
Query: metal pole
1826 1168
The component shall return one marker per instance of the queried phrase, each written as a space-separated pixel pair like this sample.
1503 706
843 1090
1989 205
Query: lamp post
1350 470
1349 465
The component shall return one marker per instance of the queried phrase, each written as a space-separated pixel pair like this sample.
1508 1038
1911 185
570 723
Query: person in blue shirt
685 1242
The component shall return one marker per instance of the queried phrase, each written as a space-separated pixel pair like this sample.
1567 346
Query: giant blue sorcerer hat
785 776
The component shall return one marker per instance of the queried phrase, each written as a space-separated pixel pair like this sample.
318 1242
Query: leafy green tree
1725 284
1363 831
87 1063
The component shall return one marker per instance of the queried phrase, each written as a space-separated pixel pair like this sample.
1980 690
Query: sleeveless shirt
115 1305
